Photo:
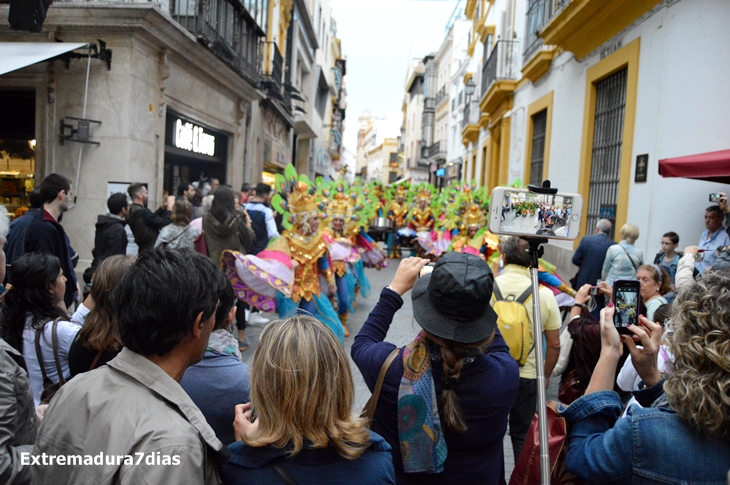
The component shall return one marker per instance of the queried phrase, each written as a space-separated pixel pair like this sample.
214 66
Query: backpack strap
54 343
497 293
38 353
525 295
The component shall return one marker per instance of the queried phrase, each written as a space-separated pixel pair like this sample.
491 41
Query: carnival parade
334 230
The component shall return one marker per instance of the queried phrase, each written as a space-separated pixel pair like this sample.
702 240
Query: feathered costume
285 277
349 245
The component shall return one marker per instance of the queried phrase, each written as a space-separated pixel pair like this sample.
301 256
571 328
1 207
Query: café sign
192 138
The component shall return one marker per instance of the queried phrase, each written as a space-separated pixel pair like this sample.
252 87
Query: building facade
172 105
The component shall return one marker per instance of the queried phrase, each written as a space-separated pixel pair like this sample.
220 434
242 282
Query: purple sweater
486 390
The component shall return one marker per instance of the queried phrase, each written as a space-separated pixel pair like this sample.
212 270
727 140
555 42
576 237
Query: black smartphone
715 197
627 301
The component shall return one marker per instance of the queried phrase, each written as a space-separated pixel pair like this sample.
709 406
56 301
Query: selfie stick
536 251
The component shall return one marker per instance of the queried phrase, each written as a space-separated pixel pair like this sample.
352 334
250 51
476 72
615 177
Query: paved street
402 331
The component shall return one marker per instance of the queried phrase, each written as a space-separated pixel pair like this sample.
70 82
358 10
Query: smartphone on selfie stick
536 214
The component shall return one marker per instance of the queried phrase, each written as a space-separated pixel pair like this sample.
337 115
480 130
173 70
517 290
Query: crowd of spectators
144 382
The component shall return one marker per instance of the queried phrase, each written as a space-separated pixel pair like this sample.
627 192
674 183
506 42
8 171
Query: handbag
368 412
200 245
527 469
49 387
164 244
636 268
571 388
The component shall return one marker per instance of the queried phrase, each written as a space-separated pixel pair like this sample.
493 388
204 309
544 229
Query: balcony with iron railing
499 75
441 95
539 14
470 121
582 26
225 28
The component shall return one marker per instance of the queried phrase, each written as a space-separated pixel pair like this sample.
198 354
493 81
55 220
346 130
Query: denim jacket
618 266
650 445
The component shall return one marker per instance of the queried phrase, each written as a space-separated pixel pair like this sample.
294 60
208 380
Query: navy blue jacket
37 231
251 466
589 257
216 384
486 390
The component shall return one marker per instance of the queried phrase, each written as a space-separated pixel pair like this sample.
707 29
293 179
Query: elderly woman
447 395
299 423
683 435
622 259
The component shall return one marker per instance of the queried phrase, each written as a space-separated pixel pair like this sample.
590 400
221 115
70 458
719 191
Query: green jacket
234 234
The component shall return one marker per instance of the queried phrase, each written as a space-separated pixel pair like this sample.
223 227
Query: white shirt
66 333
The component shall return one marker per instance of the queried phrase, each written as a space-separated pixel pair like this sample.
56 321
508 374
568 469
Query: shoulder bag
368 412
636 268
164 245
49 387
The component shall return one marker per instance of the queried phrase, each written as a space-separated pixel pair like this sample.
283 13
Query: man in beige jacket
130 422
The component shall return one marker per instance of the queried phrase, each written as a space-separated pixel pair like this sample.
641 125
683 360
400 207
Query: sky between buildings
378 38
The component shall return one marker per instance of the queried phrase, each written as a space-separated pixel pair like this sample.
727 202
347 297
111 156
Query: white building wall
683 108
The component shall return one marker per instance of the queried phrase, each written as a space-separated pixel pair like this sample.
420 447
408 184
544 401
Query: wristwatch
579 305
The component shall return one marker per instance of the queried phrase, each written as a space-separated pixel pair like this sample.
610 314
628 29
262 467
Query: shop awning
711 166
17 55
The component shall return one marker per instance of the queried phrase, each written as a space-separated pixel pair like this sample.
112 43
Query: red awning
711 166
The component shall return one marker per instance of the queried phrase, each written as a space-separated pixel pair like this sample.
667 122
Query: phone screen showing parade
626 301
536 214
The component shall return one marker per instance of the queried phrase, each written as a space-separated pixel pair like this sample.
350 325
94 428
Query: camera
715 197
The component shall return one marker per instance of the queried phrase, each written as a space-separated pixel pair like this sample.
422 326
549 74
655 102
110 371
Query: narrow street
402 331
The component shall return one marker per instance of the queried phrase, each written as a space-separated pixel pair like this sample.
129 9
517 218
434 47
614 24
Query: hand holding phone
715 197
594 291
627 302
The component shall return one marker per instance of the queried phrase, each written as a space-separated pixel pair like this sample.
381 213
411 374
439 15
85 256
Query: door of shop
607 144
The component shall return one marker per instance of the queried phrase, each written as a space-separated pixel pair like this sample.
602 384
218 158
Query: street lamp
470 88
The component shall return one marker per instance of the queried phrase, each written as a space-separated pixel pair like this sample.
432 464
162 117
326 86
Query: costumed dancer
285 277
397 212
342 250
422 221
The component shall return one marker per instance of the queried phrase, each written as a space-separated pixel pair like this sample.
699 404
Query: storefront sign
192 138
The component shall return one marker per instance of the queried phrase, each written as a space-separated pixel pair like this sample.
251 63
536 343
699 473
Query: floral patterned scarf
421 438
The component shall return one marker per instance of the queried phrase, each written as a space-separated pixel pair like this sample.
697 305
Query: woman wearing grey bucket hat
445 400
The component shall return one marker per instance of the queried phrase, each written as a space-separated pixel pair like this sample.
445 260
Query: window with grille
607 144
537 157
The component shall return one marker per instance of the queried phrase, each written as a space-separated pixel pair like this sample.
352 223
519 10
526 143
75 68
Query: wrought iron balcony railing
440 95
471 113
224 27
502 64
539 14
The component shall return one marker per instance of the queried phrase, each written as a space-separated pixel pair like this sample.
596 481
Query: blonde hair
629 232
301 389
699 387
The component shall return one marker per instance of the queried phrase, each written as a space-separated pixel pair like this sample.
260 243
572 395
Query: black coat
33 232
110 239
